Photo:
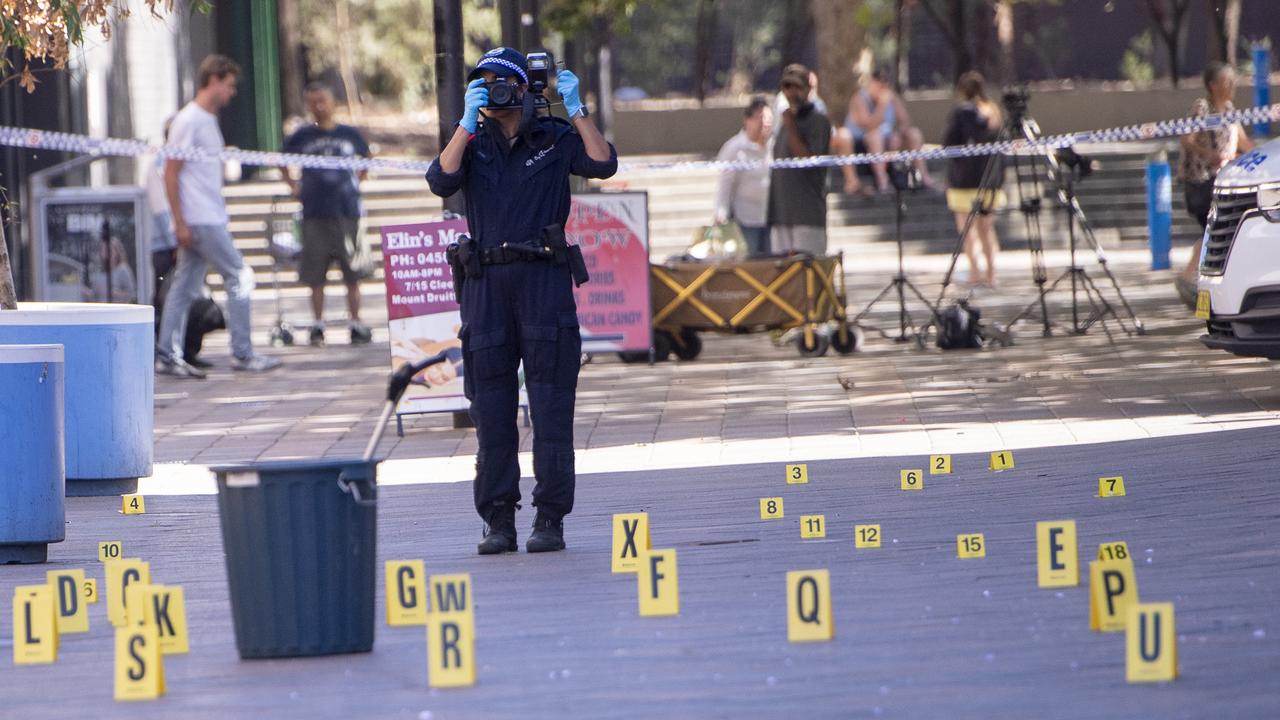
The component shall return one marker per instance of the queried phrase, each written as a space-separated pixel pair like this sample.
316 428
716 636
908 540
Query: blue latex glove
477 97
567 86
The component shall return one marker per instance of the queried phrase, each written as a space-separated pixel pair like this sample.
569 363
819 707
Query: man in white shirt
743 195
194 191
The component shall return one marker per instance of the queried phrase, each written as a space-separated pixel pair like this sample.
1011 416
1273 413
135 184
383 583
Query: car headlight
1269 201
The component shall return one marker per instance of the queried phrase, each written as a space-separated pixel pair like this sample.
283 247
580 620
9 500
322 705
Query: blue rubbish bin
110 387
300 541
32 510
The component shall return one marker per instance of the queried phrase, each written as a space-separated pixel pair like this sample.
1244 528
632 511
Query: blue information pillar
1261 84
1159 209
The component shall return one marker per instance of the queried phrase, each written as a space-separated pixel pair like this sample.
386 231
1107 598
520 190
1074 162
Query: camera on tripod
505 92
1015 100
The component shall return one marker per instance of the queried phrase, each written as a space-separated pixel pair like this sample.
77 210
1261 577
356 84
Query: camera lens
501 93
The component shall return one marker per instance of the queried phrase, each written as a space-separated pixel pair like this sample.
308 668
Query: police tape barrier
83 144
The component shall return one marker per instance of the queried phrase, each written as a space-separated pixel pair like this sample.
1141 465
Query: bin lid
15 354
273 466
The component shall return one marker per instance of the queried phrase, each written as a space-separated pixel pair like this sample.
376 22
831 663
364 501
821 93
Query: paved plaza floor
919 633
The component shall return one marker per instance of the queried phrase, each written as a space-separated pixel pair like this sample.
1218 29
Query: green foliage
393 43
1137 65
577 17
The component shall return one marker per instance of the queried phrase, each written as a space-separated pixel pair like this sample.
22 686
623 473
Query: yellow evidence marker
451 595
133 504
866 536
164 607
1112 589
1111 487
770 508
120 574
1202 305
406 582
1002 460
1117 550
809 616
658 584
971 545
139 664
813 526
939 464
72 610
630 541
35 626
797 474
110 550
1151 645
91 591
451 650
912 479
1057 557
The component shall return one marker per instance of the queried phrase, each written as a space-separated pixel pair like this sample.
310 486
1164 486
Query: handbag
359 251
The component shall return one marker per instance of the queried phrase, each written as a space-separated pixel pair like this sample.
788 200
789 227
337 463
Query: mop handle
400 380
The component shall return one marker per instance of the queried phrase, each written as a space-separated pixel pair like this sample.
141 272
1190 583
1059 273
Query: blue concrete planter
110 387
31 466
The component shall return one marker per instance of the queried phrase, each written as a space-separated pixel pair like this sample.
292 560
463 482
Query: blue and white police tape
83 144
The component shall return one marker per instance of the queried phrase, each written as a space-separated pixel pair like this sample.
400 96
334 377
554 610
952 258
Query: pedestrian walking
194 191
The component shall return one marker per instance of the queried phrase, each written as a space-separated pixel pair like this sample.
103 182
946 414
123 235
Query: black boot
499 532
548 535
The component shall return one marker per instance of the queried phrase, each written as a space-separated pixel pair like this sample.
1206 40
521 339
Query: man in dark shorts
330 209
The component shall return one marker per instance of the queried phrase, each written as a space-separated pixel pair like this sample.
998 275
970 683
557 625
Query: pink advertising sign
613 231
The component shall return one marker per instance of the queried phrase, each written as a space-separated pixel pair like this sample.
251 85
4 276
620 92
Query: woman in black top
974 119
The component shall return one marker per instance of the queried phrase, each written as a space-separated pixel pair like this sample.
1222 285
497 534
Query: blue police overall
520 309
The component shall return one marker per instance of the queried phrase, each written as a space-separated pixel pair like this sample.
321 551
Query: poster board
614 310
69 253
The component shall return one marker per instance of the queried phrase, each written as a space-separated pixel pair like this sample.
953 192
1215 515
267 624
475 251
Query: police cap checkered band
503 62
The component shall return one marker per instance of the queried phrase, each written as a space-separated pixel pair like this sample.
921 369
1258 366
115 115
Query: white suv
1239 287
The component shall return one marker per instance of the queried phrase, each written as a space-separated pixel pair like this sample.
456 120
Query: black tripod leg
867 309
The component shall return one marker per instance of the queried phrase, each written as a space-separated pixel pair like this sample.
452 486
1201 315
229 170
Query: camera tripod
904 178
1027 173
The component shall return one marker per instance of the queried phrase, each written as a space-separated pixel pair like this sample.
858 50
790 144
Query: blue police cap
503 62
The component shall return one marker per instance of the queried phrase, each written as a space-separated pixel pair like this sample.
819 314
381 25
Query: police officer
513 165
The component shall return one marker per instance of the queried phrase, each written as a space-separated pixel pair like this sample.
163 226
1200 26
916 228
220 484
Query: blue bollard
1159 209
110 387
32 509
1261 84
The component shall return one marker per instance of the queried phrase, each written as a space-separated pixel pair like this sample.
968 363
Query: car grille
1230 207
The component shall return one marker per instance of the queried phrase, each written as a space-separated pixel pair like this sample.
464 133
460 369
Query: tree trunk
509 10
1168 16
293 76
794 31
840 40
705 36
8 296
604 69
346 65
952 23
1006 68
1224 30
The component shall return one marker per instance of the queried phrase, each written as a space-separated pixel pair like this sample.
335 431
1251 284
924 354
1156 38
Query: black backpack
958 327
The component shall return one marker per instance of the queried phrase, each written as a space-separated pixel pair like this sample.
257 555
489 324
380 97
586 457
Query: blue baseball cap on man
503 62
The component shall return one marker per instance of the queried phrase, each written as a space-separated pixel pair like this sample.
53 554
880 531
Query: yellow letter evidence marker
406 582
1058 561
120 573
451 646
165 607
35 625
939 464
139 666
1112 589
658 583
630 541
809 616
770 508
1151 645
69 603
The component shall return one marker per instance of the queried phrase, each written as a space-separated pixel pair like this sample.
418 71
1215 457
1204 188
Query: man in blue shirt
514 166
330 209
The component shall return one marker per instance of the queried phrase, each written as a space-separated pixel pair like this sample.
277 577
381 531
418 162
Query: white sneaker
178 369
255 363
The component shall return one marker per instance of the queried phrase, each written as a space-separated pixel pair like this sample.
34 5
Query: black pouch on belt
455 267
553 238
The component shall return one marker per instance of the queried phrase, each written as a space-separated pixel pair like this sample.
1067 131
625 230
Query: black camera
503 93
1015 101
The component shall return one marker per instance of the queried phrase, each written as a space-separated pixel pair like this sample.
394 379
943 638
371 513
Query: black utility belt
504 254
